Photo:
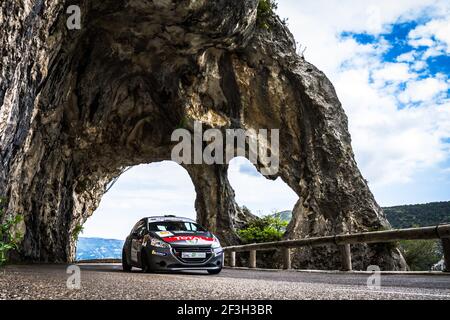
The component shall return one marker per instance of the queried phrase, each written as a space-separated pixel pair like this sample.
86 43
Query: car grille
177 251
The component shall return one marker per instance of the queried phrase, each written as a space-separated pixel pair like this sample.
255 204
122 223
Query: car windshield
175 226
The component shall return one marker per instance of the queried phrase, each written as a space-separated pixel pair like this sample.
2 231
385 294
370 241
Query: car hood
185 238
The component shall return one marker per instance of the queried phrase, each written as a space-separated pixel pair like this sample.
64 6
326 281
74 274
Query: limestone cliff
78 106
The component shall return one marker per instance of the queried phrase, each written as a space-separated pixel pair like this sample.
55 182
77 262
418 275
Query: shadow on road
117 268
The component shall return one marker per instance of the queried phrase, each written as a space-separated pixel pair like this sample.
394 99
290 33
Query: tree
265 10
9 238
266 229
420 255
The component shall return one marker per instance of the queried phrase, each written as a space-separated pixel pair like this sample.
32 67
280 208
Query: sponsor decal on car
190 239
156 253
164 234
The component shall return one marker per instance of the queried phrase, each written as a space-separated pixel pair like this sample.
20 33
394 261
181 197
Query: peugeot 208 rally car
171 243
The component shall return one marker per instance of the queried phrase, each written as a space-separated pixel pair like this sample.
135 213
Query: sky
390 64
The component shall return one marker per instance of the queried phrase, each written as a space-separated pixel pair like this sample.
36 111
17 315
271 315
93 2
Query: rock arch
144 190
77 106
258 194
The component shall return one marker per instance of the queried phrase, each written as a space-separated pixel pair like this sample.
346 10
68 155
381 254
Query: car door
141 232
136 242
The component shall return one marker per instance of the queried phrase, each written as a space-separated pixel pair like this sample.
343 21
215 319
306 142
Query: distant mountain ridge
408 216
98 248
422 215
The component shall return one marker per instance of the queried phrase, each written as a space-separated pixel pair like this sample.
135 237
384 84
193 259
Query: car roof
168 218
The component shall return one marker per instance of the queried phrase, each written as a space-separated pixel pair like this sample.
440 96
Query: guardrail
343 241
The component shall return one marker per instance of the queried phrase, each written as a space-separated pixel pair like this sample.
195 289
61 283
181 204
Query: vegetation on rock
421 255
76 232
266 229
265 10
9 238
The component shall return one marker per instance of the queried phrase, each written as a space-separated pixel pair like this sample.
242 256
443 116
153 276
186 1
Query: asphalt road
107 281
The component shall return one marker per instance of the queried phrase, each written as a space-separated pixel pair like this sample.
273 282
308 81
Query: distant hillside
422 215
98 248
408 216
285 215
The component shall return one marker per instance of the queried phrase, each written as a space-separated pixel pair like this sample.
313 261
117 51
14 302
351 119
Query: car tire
144 264
216 271
125 266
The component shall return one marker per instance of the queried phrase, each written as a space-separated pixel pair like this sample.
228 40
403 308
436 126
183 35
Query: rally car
170 243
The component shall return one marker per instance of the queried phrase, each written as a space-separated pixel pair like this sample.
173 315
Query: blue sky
401 48
390 64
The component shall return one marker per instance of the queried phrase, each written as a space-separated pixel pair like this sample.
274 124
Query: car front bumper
168 259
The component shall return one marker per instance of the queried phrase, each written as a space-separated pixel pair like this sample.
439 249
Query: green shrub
265 10
184 123
9 239
420 255
76 232
266 229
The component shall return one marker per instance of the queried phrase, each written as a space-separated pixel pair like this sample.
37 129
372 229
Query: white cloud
423 90
419 65
421 42
435 34
407 57
393 72
317 24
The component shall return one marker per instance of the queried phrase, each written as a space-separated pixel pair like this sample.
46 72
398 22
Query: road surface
107 281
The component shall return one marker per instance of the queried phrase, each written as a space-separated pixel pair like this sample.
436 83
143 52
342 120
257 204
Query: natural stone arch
256 192
159 188
79 106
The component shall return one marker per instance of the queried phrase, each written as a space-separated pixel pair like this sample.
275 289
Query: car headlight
216 244
158 243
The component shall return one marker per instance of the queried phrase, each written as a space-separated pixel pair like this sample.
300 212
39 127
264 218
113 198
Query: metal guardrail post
446 247
346 257
286 258
252 261
233 259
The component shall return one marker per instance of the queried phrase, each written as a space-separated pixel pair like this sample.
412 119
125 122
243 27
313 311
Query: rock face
78 106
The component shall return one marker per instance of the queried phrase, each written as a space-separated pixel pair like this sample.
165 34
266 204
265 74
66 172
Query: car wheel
125 266
216 271
144 264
